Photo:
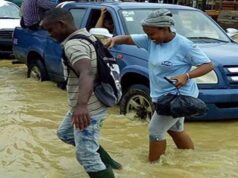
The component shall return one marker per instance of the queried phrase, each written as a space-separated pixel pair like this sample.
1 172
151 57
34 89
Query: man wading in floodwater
81 125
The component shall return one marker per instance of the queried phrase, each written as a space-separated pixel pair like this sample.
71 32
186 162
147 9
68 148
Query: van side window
78 15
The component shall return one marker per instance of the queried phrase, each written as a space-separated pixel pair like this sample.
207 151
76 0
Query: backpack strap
66 60
68 65
84 37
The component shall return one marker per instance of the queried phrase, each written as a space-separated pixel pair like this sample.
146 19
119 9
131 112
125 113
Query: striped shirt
33 10
75 50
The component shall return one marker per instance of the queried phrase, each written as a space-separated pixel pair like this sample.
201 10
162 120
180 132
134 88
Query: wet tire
137 102
36 70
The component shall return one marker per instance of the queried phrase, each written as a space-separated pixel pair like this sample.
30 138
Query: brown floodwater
30 113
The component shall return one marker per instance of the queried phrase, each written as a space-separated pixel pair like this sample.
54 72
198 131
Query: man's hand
103 12
81 118
110 42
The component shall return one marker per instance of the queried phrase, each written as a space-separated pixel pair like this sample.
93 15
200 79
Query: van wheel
37 70
137 101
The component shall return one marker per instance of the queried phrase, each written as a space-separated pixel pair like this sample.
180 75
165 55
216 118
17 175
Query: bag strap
68 65
66 60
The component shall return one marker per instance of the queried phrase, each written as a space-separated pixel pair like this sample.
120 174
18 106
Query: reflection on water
31 111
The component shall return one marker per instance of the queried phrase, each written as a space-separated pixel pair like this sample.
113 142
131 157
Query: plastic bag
177 105
180 106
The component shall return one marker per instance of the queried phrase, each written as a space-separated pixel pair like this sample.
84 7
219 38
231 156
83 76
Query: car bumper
222 104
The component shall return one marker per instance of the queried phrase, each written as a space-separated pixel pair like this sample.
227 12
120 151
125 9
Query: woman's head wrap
159 18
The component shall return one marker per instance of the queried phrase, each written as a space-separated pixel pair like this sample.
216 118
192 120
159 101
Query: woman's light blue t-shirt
170 59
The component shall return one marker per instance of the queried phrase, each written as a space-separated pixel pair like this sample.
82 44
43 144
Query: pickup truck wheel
37 70
137 100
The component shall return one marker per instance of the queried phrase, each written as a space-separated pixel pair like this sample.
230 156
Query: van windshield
189 23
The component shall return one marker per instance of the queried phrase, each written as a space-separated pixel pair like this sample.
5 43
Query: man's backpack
107 87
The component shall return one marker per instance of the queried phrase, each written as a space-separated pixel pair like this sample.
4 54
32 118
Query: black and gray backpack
107 87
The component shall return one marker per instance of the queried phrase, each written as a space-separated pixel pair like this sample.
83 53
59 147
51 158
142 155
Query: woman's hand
181 80
198 72
117 40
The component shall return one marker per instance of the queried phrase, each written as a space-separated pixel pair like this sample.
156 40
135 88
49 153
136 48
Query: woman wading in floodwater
170 55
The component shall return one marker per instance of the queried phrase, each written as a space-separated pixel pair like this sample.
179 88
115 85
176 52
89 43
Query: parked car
219 88
9 19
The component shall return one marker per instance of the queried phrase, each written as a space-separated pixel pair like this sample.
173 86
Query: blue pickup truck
219 88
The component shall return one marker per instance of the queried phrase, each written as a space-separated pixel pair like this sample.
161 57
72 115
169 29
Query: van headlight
209 78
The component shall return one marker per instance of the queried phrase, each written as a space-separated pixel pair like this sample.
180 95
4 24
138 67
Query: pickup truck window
107 21
93 18
78 15
192 24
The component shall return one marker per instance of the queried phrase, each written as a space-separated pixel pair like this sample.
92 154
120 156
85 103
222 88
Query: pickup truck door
52 60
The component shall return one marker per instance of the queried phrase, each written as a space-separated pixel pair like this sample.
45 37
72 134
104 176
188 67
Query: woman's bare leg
156 149
181 139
